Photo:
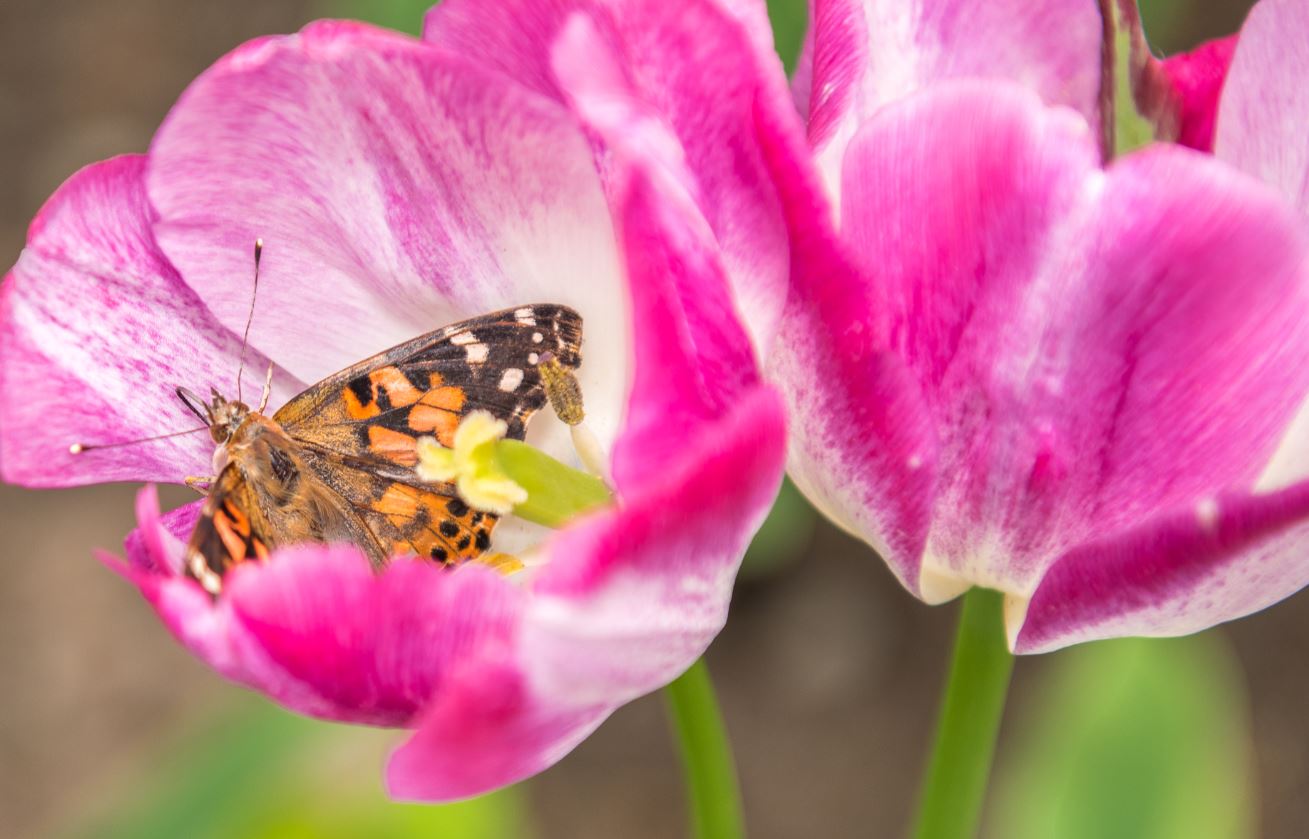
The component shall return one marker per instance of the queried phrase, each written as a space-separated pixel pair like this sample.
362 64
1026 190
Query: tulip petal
630 596
633 595
486 730
1094 347
96 331
700 69
318 630
868 53
1265 103
397 189
1224 558
374 646
1196 80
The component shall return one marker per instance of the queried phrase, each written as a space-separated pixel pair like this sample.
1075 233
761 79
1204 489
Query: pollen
471 464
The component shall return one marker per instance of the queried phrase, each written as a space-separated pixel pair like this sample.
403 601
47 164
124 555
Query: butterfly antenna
245 338
80 448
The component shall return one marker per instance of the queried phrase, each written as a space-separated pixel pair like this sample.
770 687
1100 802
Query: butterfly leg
195 482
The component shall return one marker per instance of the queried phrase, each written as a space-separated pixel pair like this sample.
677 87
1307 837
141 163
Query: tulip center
502 476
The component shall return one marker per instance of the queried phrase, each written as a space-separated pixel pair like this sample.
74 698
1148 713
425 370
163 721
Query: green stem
969 722
711 788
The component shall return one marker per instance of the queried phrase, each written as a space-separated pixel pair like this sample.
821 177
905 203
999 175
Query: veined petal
868 53
699 69
96 332
1094 347
1223 558
1265 103
397 188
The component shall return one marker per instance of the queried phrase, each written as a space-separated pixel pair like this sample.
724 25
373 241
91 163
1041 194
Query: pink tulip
514 156
1010 366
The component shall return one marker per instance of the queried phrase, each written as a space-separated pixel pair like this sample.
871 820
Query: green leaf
401 15
790 18
1131 739
263 773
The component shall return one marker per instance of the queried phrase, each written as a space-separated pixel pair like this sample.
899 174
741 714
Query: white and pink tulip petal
1265 102
1184 571
97 329
869 53
1093 347
699 70
397 188
634 595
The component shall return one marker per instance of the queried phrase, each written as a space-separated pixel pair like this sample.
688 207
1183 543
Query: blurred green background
828 672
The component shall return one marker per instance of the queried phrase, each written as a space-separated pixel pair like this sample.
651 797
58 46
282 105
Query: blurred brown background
828 672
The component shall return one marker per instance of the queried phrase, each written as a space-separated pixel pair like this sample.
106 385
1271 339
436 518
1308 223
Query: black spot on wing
362 389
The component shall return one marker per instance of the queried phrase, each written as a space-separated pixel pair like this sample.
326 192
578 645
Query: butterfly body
335 464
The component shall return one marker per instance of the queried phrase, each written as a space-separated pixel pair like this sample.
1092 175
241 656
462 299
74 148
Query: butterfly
336 463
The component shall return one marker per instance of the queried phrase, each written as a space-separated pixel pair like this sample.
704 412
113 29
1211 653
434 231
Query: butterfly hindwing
407 515
265 497
231 529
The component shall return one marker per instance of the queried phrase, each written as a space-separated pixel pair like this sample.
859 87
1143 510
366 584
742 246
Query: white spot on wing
511 379
463 338
525 316
533 358
476 353
537 337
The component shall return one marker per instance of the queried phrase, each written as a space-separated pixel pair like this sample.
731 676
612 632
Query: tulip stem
711 788
954 788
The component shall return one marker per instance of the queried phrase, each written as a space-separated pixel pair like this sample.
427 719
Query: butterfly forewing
357 430
376 409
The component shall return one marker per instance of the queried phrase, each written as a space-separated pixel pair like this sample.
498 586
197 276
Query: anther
562 389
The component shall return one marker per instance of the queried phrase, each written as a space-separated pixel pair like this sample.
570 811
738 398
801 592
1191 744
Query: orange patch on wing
357 410
435 380
399 504
233 542
261 550
449 398
438 421
397 386
392 445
